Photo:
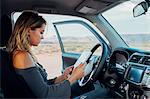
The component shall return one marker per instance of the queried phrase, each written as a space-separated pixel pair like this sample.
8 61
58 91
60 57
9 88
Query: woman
28 32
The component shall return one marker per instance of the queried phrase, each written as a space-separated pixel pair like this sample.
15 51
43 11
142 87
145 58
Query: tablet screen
83 58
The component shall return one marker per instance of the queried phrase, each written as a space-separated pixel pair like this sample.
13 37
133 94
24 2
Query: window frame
94 32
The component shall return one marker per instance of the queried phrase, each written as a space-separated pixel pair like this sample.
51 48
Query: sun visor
92 6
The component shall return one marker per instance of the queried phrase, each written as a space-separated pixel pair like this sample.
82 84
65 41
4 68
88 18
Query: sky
121 18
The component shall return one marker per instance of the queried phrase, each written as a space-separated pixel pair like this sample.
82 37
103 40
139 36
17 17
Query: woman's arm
60 79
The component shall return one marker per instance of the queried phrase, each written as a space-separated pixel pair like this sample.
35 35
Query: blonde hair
19 39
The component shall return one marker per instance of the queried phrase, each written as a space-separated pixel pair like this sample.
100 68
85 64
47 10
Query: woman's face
36 35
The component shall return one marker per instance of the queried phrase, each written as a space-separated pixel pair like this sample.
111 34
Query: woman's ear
29 31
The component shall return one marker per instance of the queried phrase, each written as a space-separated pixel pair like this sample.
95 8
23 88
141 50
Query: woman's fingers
68 71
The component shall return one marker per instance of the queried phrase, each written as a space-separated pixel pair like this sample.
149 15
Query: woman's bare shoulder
22 60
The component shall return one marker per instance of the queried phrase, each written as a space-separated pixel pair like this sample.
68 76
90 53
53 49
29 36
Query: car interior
119 71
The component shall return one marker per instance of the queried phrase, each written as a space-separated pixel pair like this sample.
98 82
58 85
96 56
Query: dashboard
129 67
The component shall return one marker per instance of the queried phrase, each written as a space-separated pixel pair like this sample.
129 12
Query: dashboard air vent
135 58
146 60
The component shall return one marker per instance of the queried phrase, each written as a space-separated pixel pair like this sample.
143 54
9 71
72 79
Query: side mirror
141 8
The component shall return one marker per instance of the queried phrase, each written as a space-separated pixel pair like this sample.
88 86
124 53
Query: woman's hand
67 71
64 76
77 73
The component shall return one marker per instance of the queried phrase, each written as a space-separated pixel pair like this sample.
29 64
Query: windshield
135 31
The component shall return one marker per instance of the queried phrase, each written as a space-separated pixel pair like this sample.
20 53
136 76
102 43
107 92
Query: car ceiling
88 7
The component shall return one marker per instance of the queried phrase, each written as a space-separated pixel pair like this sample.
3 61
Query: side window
76 38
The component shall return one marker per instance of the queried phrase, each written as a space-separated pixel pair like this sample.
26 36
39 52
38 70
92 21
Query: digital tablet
83 58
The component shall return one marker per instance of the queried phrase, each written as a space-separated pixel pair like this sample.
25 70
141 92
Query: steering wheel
94 65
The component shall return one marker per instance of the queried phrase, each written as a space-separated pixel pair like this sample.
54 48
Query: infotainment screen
135 74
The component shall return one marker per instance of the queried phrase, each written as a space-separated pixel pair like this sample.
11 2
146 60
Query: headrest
6 30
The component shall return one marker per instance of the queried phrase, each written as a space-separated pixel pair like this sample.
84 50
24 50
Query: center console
138 73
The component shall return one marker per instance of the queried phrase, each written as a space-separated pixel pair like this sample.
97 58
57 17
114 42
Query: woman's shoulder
22 60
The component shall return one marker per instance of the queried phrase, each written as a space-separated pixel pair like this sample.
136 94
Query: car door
76 36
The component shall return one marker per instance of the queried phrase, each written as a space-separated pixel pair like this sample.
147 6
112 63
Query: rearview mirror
140 9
